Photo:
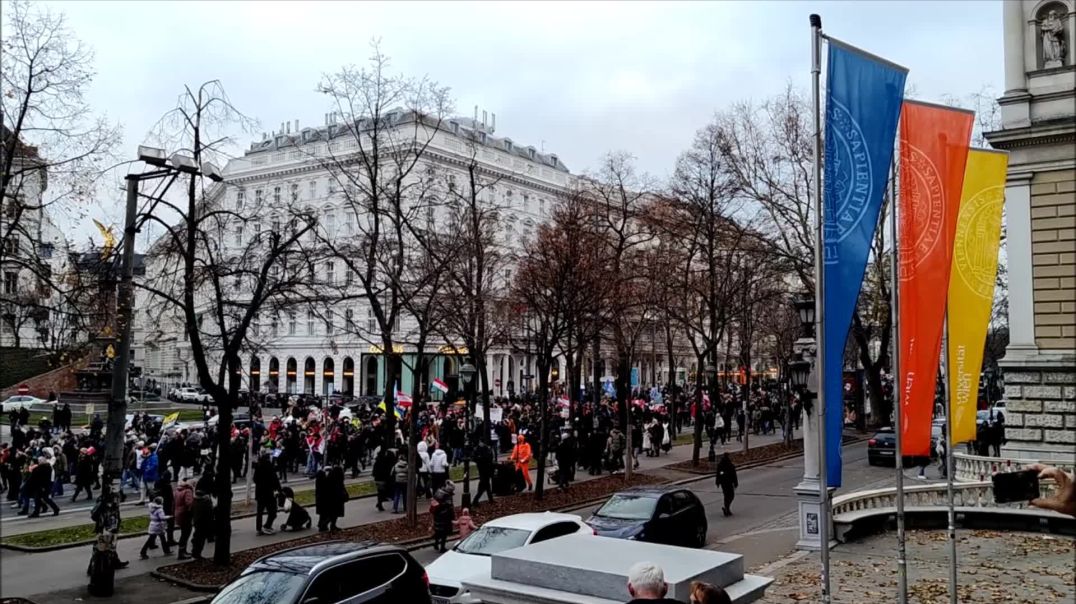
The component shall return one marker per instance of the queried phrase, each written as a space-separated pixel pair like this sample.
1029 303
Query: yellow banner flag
971 283
170 419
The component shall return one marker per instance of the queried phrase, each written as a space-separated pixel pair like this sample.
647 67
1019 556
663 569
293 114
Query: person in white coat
423 486
438 468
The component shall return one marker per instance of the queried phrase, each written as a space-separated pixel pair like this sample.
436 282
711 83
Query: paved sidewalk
27 574
992 567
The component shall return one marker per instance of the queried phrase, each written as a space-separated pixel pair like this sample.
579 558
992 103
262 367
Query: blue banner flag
863 99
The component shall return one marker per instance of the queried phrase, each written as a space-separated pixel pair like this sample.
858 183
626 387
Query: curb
417 544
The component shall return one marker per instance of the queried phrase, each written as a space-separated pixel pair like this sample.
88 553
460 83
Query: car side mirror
664 515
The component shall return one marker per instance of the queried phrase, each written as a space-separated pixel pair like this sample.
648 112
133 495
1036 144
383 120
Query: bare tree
207 271
554 273
52 151
375 157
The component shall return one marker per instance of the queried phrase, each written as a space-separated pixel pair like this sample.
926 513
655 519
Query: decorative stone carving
1054 42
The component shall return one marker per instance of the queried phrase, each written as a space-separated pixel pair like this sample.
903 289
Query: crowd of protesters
171 469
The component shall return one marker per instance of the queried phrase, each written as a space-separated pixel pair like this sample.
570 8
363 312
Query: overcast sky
577 79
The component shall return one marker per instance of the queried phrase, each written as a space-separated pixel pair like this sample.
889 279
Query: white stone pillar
1013 19
1018 250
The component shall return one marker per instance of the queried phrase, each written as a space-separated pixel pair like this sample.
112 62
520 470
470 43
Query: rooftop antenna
493 128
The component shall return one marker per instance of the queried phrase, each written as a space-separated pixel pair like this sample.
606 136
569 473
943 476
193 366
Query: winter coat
400 471
423 457
149 468
266 481
202 511
158 520
163 488
439 462
726 474
443 513
84 471
184 502
483 458
329 492
383 464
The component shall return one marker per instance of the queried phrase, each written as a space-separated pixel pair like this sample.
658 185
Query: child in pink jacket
465 524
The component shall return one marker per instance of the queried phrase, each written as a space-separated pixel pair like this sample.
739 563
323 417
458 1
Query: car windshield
490 540
628 507
263 587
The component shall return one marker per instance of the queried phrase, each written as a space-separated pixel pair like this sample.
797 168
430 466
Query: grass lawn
79 420
73 534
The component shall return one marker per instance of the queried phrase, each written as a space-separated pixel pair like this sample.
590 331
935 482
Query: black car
882 447
329 572
668 515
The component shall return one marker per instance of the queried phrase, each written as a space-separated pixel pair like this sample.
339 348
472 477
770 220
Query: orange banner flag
933 151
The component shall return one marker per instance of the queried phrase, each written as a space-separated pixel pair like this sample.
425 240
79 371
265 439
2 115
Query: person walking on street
157 522
399 485
83 475
41 487
726 479
184 506
383 477
483 459
444 514
163 489
438 467
150 472
521 455
266 484
202 520
330 495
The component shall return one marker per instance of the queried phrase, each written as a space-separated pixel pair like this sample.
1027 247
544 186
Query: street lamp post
805 380
467 374
102 573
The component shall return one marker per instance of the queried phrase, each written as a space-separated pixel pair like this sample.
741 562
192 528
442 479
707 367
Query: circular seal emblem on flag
974 252
848 172
926 203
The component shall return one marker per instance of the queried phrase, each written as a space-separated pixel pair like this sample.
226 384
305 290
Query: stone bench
849 525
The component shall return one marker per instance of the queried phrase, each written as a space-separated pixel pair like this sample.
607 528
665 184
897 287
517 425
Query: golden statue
109 239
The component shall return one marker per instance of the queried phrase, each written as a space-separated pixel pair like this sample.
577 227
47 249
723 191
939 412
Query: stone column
1018 247
1013 16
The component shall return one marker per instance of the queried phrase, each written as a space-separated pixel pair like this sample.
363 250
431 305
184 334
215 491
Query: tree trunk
543 408
222 554
671 395
881 407
696 446
390 395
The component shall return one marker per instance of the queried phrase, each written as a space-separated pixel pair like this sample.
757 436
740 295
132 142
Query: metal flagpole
894 306
948 461
819 301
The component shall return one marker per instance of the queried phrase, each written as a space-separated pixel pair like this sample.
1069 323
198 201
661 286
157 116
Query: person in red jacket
184 508
521 455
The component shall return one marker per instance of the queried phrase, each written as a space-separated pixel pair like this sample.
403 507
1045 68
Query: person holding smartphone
1064 499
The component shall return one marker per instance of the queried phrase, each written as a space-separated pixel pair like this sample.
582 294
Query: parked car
668 515
20 401
366 572
471 556
241 420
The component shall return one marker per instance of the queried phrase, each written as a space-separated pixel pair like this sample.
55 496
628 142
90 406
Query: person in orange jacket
521 455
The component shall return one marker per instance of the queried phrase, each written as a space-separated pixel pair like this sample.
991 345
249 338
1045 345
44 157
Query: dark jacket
329 492
266 481
202 511
483 458
726 474
184 502
444 513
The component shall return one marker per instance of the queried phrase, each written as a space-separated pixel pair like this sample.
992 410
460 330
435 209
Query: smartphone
1010 487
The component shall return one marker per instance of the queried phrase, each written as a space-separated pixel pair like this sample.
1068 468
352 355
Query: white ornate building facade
1039 131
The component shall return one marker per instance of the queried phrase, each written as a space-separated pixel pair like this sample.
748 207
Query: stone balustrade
977 494
976 468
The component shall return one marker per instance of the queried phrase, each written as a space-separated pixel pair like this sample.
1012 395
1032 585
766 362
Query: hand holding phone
1011 487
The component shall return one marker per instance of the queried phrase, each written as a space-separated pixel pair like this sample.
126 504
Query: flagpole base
809 508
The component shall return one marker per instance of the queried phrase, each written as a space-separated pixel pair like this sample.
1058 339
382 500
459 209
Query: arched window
330 223
349 319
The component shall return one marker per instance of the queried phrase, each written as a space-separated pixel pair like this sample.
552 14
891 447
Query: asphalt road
765 502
